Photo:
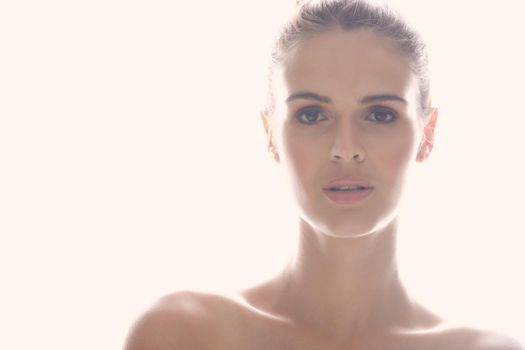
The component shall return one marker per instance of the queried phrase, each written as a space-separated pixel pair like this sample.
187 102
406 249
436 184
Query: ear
427 141
269 134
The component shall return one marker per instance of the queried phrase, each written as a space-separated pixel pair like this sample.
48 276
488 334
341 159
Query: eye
382 115
310 116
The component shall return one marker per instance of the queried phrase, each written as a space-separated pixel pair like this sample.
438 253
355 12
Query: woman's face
346 105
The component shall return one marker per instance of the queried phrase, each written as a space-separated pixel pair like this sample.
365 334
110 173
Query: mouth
348 194
348 183
351 188
348 189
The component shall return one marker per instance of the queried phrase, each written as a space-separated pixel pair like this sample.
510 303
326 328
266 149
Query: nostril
356 156
359 157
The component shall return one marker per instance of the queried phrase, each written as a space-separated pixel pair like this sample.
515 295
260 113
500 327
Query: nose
346 145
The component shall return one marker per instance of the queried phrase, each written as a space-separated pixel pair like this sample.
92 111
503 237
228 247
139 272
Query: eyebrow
382 98
308 96
324 99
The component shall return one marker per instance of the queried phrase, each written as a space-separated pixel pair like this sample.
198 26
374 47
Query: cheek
302 156
397 154
298 155
395 157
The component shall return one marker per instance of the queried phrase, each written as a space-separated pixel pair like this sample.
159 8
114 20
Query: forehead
346 64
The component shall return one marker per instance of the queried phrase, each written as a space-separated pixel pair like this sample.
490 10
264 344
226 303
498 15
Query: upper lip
347 181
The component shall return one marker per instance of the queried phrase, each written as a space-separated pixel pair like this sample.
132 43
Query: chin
348 234
347 226
353 230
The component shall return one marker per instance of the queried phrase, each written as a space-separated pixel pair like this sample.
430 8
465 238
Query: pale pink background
133 163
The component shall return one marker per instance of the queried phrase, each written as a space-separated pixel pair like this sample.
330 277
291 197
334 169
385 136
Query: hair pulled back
315 17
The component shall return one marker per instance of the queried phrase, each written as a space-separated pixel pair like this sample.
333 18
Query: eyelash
373 110
387 111
307 110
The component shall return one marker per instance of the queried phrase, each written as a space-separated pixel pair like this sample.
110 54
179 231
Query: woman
348 114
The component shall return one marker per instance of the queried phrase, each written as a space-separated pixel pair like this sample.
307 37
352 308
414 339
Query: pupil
311 116
381 116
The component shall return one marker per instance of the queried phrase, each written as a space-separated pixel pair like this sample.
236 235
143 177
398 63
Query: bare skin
193 320
341 289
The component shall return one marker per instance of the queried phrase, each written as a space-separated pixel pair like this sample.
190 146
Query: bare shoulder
467 338
490 340
181 320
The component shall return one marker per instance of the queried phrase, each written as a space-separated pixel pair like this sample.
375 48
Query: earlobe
424 152
427 143
269 134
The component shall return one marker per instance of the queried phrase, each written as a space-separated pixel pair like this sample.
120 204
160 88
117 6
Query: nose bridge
346 141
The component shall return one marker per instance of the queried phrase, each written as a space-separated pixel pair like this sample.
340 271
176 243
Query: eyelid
369 111
306 109
395 115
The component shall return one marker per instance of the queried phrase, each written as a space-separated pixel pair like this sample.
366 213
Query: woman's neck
344 285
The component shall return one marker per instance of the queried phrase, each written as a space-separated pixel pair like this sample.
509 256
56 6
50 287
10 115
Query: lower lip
348 196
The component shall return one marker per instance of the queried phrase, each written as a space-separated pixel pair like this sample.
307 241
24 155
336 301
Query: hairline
277 62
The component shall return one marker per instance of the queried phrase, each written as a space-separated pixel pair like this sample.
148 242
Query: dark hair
314 17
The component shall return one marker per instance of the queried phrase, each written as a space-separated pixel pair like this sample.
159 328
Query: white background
133 163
